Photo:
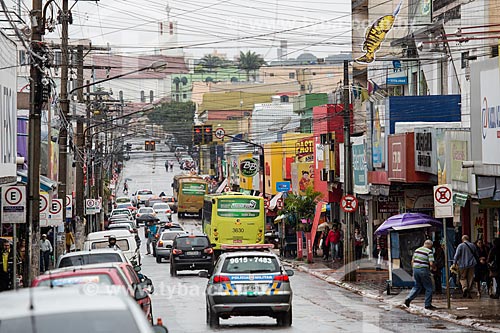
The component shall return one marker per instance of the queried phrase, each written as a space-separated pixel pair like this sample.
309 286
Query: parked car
121 211
107 274
124 239
191 252
90 257
164 244
260 283
47 310
172 202
163 211
145 214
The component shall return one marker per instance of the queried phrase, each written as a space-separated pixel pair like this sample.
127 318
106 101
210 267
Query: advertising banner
193 188
360 171
238 207
397 157
425 150
458 155
378 144
302 177
490 115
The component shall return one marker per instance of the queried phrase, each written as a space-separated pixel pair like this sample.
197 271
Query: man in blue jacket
466 259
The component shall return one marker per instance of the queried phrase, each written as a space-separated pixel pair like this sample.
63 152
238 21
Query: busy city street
180 301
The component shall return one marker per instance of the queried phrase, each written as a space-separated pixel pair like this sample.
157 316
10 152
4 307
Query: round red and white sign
44 203
56 207
443 195
349 203
13 196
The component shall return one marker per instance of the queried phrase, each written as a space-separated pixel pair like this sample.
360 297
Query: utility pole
350 274
31 262
80 140
63 132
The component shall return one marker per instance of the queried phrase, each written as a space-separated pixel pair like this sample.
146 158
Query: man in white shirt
45 251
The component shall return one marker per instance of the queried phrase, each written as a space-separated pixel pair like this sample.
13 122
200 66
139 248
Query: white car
74 309
164 244
124 239
122 211
163 211
140 197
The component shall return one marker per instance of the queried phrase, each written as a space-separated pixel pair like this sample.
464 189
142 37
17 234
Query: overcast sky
318 26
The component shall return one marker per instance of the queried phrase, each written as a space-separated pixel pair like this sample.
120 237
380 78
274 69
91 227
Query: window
122 244
465 59
271 74
151 96
494 51
291 75
143 96
120 94
72 280
250 264
184 96
177 86
89 259
170 235
190 242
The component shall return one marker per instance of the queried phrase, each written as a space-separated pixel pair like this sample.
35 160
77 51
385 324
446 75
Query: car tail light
209 251
221 278
160 243
169 211
176 251
137 215
283 278
157 236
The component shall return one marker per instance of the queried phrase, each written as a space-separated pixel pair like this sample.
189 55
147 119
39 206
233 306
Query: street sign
443 203
69 206
44 209
90 206
249 167
14 204
56 212
219 133
282 186
349 203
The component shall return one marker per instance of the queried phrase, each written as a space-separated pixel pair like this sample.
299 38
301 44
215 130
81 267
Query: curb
417 310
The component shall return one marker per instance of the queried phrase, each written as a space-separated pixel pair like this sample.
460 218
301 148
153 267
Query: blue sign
401 80
282 186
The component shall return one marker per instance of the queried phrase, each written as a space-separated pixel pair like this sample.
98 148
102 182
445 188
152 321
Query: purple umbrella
407 221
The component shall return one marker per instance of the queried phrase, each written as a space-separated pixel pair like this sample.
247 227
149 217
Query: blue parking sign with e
282 186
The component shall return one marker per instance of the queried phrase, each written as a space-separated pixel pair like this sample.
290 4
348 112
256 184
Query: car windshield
80 322
103 279
144 192
122 244
169 235
189 242
87 259
250 264
161 206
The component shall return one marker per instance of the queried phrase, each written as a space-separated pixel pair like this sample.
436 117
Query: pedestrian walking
125 187
151 234
466 259
439 263
171 165
166 165
6 269
359 242
422 262
323 243
70 240
332 240
45 251
493 261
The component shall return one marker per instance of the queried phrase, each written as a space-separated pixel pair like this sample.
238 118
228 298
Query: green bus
233 218
189 191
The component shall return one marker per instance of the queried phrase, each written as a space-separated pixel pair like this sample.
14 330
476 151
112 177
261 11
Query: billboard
360 171
490 115
302 177
425 150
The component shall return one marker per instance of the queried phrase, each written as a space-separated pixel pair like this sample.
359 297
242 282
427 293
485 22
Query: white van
124 239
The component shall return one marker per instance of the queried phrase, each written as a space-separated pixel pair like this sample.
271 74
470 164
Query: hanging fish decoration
375 35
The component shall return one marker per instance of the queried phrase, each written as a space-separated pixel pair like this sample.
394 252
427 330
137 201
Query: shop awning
274 200
46 184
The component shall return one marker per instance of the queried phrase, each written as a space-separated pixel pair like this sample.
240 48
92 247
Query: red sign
349 203
443 195
401 159
309 246
300 245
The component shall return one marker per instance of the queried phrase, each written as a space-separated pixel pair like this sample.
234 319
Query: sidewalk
480 313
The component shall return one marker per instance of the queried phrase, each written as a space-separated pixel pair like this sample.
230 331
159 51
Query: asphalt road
317 305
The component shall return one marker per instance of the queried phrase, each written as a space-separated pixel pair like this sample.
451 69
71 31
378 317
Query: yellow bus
233 218
189 191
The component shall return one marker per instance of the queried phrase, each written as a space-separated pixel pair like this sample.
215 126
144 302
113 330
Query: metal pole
263 166
31 261
55 243
14 248
446 266
350 274
63 132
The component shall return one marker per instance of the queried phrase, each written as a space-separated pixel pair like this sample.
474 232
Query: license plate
237 241
250 288
192 253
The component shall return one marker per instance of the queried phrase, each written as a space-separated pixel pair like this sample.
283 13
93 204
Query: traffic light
207 134
150 145
197 135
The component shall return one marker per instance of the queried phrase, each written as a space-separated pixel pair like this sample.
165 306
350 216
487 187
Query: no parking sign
56 212
13 204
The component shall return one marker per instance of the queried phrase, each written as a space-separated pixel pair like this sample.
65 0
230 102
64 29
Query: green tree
250 62
299 207
210 62
176 118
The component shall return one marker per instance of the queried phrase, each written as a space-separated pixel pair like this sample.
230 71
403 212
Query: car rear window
72 280
250 264
120 200
146 210
161 206
189 242
122 244
80 322
169 235
89 259
144 192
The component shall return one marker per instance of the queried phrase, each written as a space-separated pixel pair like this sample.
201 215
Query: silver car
164 244
249 283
